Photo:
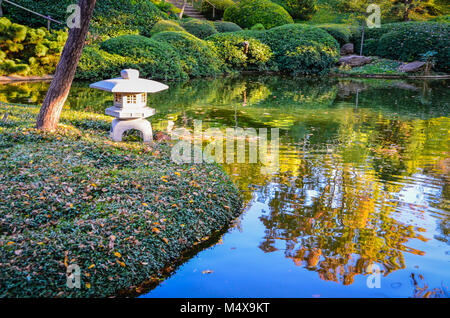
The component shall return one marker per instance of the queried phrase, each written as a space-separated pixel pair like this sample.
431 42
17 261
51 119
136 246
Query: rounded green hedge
199 28
220 7
301 49
111 17
231 49
153 59
96 64
341 32
166 25
224 26
407 41
197 57
299 9
247 13
258 27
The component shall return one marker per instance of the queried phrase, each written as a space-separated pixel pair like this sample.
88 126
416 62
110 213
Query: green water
362 180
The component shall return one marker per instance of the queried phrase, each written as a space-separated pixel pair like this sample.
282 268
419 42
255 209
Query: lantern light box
130 103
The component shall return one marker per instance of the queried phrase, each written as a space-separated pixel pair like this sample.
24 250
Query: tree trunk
182 9
408 5
65 71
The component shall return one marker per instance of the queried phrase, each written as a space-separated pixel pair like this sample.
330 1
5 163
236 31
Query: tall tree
65 71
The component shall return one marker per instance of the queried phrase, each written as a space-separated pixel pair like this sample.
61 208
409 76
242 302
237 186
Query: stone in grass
354 60
412 67
347 49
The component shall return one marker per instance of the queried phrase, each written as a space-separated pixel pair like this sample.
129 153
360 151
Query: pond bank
120 212
17 78
389 76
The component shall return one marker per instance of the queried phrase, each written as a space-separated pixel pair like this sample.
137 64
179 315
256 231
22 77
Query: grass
378 66
120 211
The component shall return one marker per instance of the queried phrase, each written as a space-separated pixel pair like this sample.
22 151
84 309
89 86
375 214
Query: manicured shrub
153 59
408 41
258 27
232 50
341 32
166 25
199 28
220 7
111 17
197 57
299 9
224 26
247 13
96 64
301 49
28 51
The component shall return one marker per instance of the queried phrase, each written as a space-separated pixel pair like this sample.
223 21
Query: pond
362 180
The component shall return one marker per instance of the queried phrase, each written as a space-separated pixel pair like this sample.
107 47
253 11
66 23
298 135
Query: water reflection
363 179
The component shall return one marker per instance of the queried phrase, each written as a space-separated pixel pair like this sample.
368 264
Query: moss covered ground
120 211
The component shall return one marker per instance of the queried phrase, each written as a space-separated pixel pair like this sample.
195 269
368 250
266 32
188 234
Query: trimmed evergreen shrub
224 26
96 64
152 59
111 17
258 27
231 49
197 57
299 9
407 41
247 13
341 32
301 49
166 25
27 51
199 28
220 7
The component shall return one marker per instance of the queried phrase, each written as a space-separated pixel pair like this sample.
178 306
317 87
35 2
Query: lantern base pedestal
119 126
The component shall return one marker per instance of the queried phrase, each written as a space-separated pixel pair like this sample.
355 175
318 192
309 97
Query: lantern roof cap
129 82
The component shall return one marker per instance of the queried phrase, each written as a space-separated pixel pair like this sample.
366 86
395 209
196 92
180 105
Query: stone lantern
130 103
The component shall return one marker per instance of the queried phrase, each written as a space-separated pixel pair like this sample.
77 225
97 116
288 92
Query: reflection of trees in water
334 211
423 290
335 222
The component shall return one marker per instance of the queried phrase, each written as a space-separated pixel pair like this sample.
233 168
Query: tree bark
65 70
182 9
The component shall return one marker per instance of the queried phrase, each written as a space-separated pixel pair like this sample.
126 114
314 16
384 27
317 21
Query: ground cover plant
378 66
120 211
